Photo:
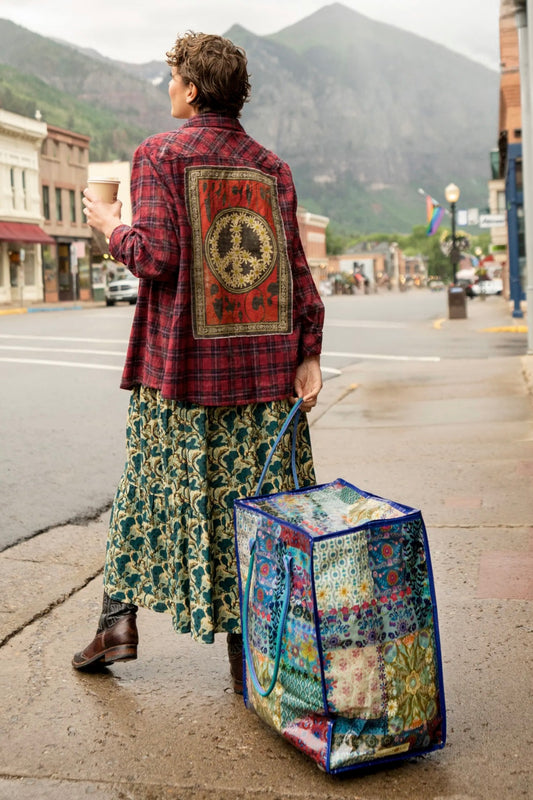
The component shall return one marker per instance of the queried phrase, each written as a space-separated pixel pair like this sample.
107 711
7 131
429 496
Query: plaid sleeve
150 247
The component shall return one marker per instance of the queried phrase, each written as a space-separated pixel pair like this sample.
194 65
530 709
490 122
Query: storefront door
66 287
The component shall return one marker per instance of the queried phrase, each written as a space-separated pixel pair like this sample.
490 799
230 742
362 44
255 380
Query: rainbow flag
435 214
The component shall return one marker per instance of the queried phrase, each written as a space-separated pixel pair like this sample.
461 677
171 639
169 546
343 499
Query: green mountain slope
364 113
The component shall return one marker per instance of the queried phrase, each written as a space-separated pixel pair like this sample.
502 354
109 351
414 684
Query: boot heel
122 652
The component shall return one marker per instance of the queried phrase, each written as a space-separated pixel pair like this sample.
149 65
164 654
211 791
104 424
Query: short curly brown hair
218 69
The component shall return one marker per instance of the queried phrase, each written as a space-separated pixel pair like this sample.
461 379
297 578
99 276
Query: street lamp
456 294
452 193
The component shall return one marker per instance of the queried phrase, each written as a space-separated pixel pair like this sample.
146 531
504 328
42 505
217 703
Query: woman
226 334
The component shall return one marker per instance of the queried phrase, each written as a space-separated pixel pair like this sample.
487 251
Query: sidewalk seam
50 607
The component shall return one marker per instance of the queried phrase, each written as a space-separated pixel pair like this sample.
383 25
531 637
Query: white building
20 209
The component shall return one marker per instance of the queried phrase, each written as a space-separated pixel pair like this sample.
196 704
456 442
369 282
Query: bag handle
287 560
293 416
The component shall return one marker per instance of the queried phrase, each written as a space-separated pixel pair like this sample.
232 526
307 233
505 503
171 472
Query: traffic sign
492 220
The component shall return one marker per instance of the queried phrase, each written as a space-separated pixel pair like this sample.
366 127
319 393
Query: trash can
456 302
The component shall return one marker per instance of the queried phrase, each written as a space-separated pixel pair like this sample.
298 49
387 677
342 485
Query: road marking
331 370
332 354
62 338
363 323
437 324
506 329
47 363
62 350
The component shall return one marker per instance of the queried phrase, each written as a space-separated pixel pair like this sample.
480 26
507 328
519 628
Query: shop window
29 266
24 190
12 179
72 201
59 206
46 202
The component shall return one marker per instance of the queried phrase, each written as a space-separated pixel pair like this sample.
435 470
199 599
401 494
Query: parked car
467 286
436 286
125 289
493 286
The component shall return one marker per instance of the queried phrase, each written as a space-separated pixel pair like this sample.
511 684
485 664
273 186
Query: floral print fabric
171 537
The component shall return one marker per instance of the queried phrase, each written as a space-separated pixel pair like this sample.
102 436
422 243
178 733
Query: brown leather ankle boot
116 637
234 641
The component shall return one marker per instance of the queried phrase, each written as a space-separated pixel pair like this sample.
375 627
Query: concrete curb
7 310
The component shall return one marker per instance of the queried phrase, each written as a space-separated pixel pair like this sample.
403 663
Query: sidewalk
454 438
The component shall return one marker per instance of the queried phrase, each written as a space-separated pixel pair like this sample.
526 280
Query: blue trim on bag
287 561
239 581
294 414
316 621
436 631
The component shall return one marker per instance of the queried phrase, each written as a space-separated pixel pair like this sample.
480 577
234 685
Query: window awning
24 232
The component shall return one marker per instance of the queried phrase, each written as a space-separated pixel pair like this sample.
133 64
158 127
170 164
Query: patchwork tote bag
341 641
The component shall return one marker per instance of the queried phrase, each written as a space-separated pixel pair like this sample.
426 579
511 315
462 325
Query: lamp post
452 193
456 294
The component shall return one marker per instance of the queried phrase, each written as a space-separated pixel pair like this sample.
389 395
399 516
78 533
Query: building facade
509 135
64 162
21 234
312 229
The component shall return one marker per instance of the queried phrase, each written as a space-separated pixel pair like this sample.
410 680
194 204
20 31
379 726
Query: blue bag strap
293 416
287 560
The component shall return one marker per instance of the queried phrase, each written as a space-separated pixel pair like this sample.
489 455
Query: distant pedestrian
226 333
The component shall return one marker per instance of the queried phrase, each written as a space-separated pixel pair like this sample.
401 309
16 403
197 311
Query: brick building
64 161
312 229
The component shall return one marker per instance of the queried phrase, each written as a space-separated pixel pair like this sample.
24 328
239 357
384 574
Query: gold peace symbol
240 249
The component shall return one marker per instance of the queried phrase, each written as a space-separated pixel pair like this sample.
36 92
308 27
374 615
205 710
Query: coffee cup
105 189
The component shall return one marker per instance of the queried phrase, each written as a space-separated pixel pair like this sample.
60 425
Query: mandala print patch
241 278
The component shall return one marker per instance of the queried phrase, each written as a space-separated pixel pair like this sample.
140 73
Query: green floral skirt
171 543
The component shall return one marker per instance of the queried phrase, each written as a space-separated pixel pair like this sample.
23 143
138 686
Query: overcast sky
138 31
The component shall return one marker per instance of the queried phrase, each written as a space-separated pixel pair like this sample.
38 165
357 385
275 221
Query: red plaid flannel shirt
163 352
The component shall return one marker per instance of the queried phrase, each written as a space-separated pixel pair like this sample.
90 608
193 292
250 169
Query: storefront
67 270
21 278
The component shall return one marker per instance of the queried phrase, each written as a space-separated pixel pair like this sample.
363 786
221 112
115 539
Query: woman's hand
103 217
308 382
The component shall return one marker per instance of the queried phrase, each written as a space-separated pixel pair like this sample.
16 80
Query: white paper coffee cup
105 189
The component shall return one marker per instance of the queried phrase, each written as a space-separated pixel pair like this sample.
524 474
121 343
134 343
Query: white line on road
62 339
62 350
363 323
332 370
48 363
332 354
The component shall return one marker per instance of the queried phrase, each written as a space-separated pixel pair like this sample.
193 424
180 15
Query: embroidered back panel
241 277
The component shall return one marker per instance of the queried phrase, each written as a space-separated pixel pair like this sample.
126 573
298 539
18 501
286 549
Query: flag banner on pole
435 214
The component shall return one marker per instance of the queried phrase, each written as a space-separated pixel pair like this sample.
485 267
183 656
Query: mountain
364 113
75 80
